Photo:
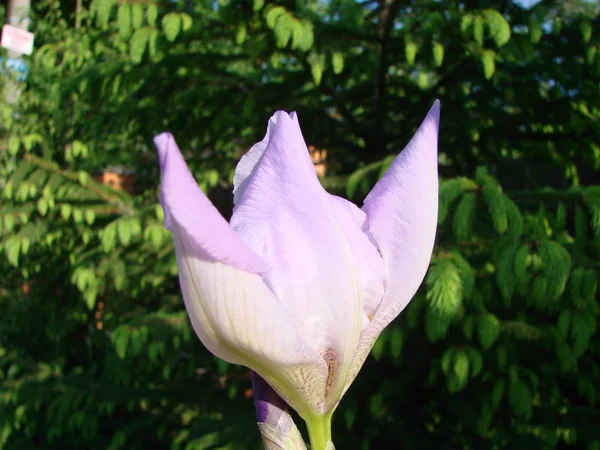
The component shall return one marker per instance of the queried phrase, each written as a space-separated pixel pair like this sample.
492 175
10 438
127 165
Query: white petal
238 319
402 210
284 215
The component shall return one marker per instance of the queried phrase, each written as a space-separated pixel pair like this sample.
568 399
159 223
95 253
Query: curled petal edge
402 210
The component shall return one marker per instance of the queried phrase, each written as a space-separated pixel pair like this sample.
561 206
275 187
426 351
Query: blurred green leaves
498 348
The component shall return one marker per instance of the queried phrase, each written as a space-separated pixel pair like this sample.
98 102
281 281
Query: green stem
319 431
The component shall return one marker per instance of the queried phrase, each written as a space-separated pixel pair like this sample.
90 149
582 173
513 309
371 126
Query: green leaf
467 273
590 55
124 231
356 179
488 60
79 149
151 14
466 22
109 237
478 29
337 61
65 211
171 24
29 140
42 206
410 50
77 215
461 368
556 265
520 399
137 15
498 26
317 65
119 274
152 44
496 207
586 30
488 329
212 178
120 339
241 33
137 45
593 205
444 286
284 28
12 248
300 36
90 297
446 360
535 30
450 190
90 216
515 219
539 290
124 20
186 21
475 361
103 10
436 324
582 329
25 245
304 35
422 80
273 14
505 270
438 54
520 264
464 217
258 4
13 145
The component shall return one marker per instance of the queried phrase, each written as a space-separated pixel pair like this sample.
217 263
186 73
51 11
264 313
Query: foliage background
500 348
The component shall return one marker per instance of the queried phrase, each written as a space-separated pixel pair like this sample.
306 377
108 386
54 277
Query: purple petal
402 210
368 260
287 218
270 407
276 426
184 202
233 311
249 162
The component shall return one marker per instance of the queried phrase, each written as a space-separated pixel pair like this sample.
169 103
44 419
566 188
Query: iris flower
300 283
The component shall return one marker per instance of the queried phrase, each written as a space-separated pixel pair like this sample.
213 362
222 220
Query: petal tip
434 113
277 115
281 116
161 142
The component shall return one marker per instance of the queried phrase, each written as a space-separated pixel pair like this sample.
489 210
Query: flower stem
319 431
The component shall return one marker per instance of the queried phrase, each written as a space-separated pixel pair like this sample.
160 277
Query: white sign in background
17 40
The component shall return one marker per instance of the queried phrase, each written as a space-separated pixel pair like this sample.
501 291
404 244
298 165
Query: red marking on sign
17 40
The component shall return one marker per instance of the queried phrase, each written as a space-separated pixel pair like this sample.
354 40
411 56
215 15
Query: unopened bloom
278 430
300 283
